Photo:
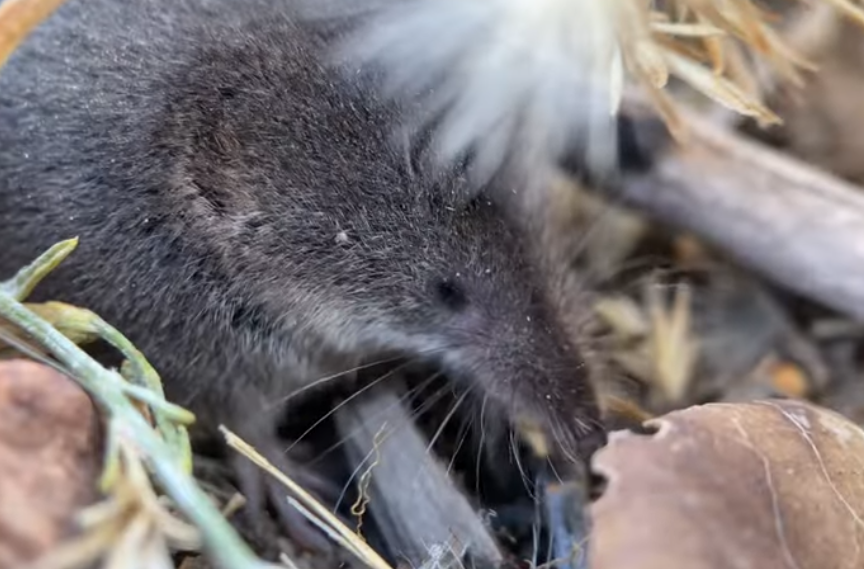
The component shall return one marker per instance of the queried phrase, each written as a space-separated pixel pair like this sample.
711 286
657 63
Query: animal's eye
450 294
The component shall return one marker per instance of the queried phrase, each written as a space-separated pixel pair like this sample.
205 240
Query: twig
796 225
415 502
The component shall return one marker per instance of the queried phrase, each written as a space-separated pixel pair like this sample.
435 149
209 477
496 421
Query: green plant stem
228 551
170 419
22 284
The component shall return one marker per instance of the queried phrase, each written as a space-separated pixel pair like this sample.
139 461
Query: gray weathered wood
413 500
796 225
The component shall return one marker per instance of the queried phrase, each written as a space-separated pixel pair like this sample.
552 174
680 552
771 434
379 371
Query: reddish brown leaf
763 485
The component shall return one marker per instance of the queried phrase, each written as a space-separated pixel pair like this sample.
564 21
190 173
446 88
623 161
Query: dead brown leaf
762 485
50 454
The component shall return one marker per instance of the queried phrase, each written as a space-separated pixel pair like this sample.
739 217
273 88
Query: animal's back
245 220
120 123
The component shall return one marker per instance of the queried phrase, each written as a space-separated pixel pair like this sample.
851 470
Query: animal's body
246 221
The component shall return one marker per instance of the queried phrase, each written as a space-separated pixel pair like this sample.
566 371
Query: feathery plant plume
515 85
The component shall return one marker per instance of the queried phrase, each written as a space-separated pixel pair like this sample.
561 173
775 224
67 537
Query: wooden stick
798 226
413 499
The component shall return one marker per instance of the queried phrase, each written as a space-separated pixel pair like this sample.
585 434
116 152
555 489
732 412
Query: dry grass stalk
132 527
654 341
314 511
708 44
673 348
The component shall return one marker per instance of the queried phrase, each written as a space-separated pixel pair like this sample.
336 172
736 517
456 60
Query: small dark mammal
245 219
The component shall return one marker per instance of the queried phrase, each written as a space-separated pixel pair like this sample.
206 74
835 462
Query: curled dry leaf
769 484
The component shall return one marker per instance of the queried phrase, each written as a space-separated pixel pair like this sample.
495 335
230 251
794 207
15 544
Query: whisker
401 400
323 380
526 480
464 431
536 525
320 456
564 441
350 398
480 445
554 471
392 429
431 399
446 420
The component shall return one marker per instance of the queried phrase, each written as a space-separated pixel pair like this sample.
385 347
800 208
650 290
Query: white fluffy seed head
514 83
